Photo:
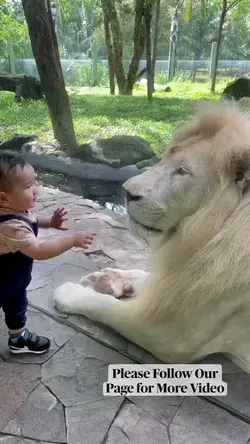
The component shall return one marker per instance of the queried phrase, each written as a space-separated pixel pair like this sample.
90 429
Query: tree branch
232 5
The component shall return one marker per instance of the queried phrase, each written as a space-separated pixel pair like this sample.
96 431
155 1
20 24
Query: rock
28 87
157 87
16 143
116 151
237 89
40 147
149 162
47 156
81 170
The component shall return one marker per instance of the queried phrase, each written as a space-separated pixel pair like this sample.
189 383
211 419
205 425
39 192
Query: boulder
28 87
149 162
116 151
17 142
237 89
47 156
45 148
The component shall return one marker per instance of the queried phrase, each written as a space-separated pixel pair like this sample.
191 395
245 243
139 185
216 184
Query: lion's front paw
67 297
113 281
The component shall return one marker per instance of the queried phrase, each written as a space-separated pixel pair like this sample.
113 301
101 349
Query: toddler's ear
4 201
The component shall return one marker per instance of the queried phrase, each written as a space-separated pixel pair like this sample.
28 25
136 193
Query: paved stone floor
57 397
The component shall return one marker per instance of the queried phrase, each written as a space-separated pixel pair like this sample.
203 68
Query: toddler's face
22 195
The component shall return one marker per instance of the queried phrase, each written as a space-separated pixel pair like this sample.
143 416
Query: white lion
195 207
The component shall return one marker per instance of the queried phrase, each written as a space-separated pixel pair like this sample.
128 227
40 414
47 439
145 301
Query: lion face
176 188
200 162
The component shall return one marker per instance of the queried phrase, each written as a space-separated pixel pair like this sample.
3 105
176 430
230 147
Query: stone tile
210 422
228 366
40 416
183 435
140 355
16 440
162 408
108 219
81 260
89 423
99 332
42 298
75 256
101 260
42 269
81 202
42 325
134 426
65 273
237 400
16 382
127 259
75 374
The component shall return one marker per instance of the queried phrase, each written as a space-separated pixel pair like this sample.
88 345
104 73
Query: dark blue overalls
15 276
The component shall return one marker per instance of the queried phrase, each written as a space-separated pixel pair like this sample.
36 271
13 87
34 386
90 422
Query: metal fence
230 68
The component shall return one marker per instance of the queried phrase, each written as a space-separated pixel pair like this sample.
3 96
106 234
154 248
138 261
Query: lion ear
240 170
234 166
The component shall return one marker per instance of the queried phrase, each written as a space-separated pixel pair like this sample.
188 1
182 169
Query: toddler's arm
52 248
43 221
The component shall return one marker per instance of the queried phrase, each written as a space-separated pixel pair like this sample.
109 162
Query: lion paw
113 281
66 296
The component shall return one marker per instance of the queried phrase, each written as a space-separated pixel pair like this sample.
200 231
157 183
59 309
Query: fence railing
75 68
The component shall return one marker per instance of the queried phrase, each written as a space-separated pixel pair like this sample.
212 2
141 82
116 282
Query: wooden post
94 57
212 59
172 47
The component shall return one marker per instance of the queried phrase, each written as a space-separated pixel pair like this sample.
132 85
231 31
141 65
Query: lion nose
131 197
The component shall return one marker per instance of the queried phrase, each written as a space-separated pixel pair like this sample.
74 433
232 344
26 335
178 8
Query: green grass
97 114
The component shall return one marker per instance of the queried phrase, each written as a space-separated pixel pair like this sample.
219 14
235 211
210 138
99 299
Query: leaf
188 10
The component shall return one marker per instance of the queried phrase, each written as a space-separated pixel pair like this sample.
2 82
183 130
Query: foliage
198 32
203 15
78 21
12 25
82 75
97 114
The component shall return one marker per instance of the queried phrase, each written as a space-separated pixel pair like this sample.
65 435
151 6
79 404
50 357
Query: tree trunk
45 50
148 18
221 23
109 8
155 38
139 43
197 56
109 51
125 85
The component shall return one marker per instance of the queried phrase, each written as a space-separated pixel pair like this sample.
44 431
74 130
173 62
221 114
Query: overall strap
7 217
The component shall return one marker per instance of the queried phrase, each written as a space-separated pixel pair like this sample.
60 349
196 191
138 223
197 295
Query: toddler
19 246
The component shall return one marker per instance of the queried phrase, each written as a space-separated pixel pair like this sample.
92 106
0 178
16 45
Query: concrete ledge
80 170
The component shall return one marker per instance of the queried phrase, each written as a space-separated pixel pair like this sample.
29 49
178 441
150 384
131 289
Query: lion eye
181 171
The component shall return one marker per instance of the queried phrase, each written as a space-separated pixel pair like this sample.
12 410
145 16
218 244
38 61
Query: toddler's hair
9 163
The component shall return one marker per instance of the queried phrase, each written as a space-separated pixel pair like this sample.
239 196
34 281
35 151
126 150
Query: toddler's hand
58 218
83 239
